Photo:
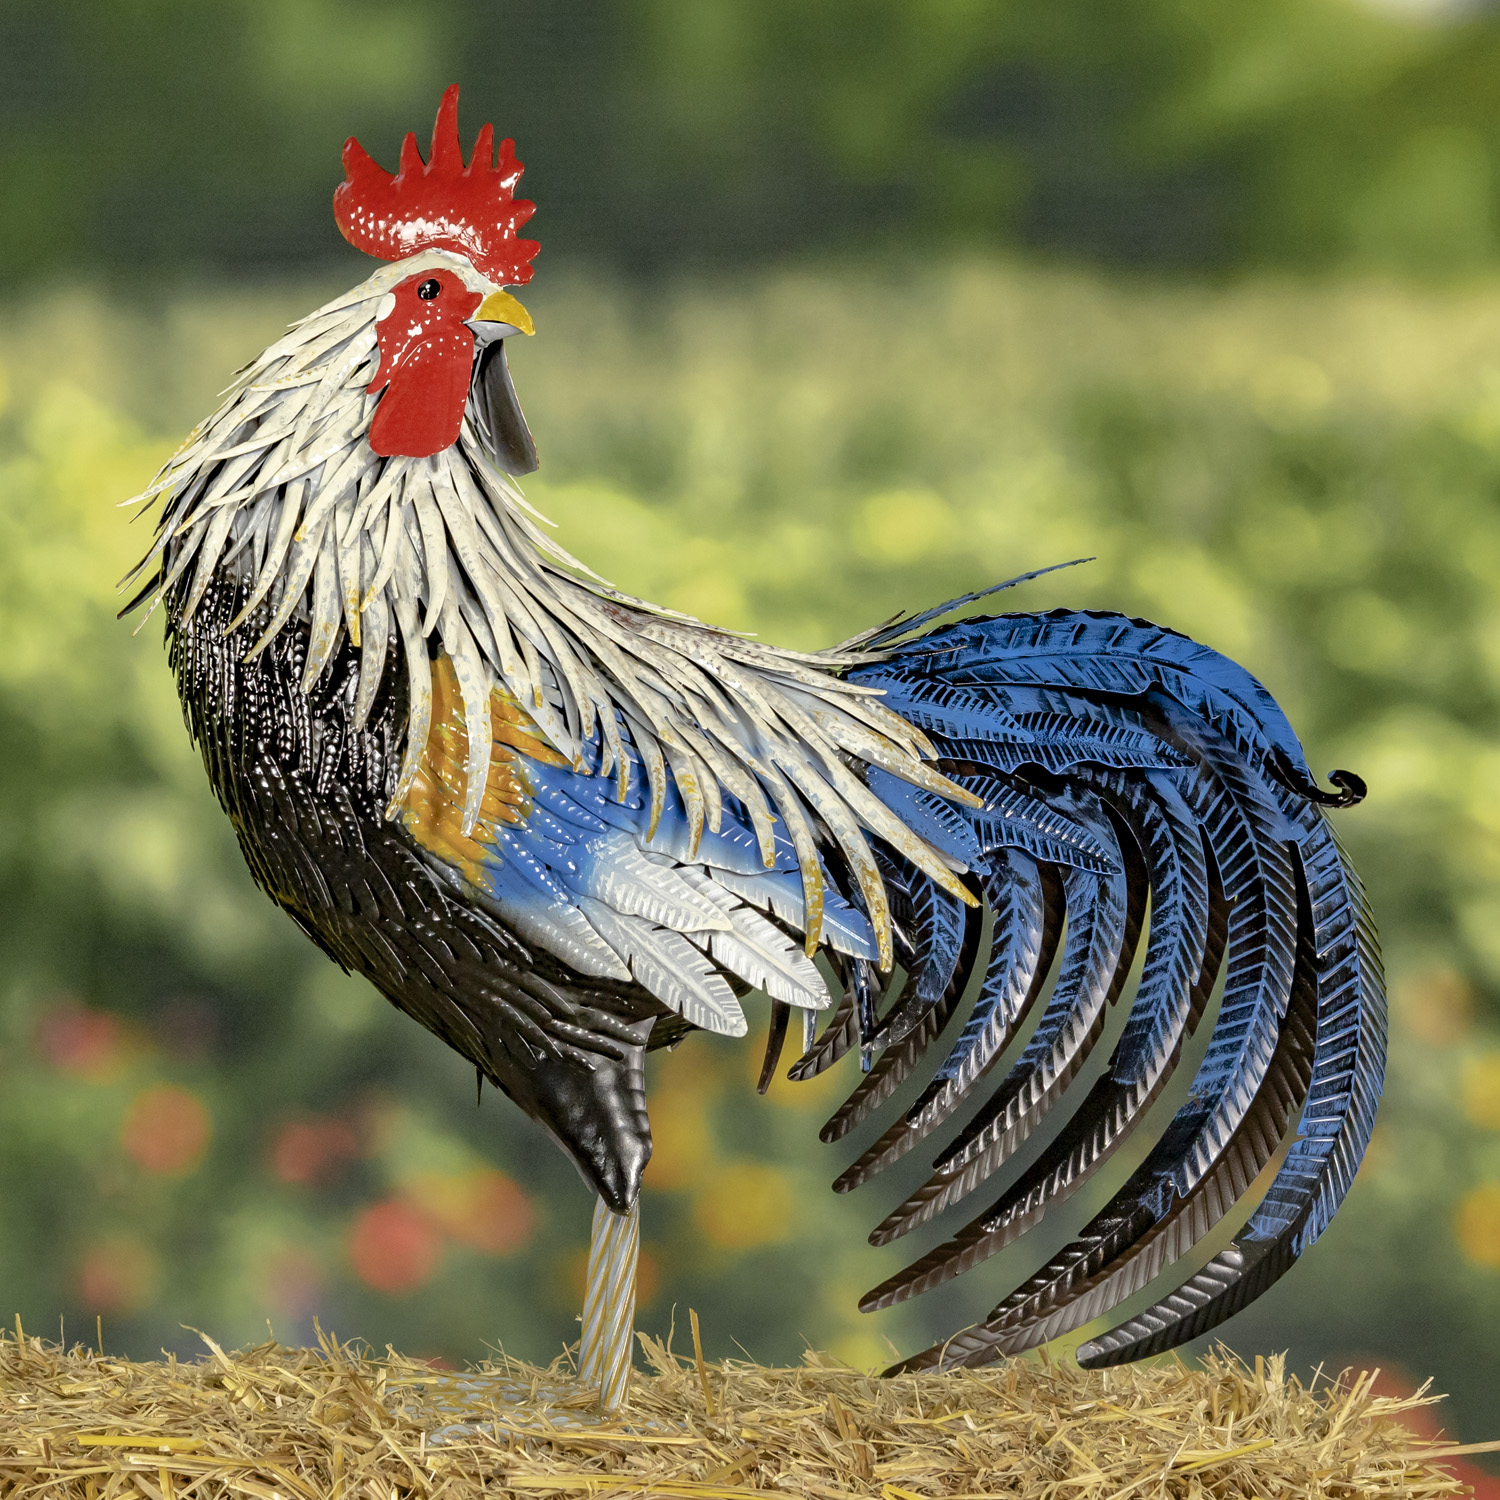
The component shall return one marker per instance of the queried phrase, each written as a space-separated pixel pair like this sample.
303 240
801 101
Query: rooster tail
1120 766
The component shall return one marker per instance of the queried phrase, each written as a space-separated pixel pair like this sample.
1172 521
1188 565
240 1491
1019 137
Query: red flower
85 1043
394 1246
117 1276
166 1130
309 1150
481 1208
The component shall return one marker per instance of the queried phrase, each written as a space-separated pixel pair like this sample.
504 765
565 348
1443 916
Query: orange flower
84 1043
483 1208
117 1275
166 1130
395 1247
309 1150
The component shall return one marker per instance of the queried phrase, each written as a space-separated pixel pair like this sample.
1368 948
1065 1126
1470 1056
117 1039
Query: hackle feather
283 480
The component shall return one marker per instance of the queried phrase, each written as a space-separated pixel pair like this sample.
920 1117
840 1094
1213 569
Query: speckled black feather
305 792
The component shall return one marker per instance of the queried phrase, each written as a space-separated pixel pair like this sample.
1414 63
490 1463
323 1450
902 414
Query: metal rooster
561 827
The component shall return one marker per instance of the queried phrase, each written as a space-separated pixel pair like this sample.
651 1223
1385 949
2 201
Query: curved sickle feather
1167 1006
946 935
1146 1227
1104 922
1347 1073
1180 1192
1017 892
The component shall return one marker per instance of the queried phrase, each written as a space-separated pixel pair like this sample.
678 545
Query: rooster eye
429 289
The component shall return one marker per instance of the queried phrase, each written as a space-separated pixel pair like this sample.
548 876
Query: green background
842 308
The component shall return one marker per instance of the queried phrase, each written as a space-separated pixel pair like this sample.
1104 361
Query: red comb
440 204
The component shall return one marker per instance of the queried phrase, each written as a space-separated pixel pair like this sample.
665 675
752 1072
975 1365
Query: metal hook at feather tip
1352 788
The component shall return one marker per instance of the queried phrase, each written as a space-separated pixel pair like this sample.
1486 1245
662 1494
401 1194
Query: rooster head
441 328
358 474
428 331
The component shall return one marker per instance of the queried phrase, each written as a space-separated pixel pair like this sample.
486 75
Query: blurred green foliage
202 1122
665 133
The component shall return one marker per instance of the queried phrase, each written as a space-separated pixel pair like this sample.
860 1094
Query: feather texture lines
1122 768
658 802
282 481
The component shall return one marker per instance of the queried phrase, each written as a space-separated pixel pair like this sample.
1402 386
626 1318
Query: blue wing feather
578 869
1107 653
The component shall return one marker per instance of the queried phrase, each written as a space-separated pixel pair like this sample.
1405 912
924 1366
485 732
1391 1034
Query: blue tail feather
1116 758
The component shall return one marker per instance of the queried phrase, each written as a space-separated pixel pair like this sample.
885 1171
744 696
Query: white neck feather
281 485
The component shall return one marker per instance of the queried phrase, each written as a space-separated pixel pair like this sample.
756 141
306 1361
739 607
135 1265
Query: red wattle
426 364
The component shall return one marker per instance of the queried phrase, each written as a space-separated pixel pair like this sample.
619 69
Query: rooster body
561 827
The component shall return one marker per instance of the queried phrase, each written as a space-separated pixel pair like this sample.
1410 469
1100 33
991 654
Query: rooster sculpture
562 827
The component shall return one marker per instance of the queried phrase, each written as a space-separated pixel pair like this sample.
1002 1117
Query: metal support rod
605 1347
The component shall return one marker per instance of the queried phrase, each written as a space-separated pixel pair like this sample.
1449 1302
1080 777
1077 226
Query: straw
275 1423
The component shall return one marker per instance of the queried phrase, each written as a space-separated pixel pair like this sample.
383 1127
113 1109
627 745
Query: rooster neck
398 556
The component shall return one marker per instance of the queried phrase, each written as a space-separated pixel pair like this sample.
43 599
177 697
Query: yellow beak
501 307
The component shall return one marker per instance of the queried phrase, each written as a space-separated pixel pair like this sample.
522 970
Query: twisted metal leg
604 1350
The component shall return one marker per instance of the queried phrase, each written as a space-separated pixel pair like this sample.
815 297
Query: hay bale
274 1423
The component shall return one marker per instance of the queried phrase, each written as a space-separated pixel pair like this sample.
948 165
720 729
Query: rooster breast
306 793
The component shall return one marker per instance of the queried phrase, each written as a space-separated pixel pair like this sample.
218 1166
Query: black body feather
306 792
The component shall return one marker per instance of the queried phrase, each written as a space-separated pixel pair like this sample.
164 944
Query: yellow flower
1481 1091
1476 1225
745 1204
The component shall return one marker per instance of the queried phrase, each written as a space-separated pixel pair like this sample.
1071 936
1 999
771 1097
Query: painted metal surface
608 1330
559 826
444 203
426 366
